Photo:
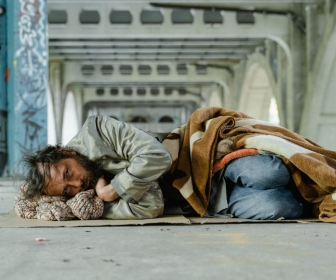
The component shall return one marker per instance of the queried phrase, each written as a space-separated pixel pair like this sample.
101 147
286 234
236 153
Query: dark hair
37 168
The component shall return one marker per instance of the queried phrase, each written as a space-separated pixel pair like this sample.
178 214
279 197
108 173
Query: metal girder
146 54
72 74
156 51
264 26
157 43
135 57
180 93
152 49
228 42
173 84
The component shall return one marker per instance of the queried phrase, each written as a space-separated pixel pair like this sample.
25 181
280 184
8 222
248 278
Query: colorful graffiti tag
3 89
32 62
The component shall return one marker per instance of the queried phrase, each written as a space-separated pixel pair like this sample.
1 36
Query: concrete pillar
28 80
78 93
55 79
312 35
3 87
297 79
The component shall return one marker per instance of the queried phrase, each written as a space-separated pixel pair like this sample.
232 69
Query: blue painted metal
28 80
3 88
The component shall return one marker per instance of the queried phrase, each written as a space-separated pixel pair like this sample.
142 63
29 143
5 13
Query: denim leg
259 189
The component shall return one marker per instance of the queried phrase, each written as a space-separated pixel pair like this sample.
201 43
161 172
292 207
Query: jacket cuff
122 193
123 185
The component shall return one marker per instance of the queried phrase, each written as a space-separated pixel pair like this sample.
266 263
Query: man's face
68 177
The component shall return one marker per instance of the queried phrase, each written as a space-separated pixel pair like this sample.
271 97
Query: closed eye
65 190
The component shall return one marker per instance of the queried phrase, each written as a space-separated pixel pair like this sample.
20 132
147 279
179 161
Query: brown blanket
214 132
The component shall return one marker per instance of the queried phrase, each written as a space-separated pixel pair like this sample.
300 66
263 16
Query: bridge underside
153 64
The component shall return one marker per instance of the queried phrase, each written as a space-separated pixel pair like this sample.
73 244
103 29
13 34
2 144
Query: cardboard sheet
11 220
199 220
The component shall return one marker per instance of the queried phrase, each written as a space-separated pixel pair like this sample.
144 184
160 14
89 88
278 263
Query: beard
94 170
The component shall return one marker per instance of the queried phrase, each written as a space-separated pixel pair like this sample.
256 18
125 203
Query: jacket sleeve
146 158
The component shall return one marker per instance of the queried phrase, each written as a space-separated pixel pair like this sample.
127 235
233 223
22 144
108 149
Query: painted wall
28 80
3 88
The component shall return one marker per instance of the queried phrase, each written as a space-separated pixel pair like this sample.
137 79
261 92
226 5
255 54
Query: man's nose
75 183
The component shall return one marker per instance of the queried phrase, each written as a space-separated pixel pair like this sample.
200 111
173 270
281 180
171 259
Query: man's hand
105 191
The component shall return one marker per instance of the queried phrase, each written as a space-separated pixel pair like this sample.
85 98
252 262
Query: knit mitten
86 205
25 208
53 208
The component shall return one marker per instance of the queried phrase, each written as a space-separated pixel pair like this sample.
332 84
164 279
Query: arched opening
257 98
215 99
70 120
166 119
139 119
273 113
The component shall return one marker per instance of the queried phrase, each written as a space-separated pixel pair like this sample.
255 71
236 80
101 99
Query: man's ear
67 152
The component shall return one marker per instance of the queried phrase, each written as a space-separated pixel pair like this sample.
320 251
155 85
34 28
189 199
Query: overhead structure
153 63
132 53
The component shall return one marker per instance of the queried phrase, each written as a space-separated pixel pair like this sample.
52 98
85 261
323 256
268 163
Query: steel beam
158 43
264 27
156 51
72 75
135 57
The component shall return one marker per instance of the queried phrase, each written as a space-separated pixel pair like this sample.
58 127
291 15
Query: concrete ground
222 251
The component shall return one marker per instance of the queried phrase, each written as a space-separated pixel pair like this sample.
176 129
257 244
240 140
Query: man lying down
222 163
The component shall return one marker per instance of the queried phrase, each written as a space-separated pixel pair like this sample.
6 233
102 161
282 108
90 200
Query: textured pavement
222 251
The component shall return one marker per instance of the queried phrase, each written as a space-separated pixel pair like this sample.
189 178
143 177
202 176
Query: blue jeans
258 189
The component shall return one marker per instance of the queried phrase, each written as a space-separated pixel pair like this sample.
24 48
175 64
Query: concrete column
78 93
3 87
312 35
281 86
55 79
297 79
28 79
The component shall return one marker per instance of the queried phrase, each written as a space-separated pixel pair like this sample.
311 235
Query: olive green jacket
134 157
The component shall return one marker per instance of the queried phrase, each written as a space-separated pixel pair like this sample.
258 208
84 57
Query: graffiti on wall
3 123
3 146
3 92
32 62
